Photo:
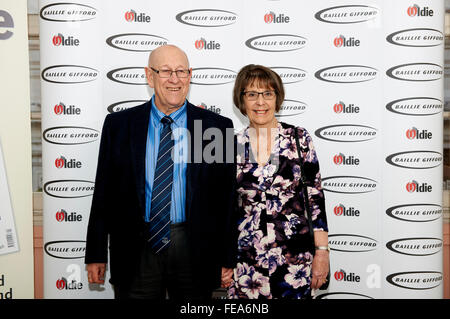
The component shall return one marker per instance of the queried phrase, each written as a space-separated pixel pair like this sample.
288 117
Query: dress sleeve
313 178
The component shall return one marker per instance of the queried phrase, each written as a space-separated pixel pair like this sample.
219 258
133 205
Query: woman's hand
320 269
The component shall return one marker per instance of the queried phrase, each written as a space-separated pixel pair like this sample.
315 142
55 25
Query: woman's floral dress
274 244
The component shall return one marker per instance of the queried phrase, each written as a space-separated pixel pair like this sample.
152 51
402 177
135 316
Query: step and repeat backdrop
365 78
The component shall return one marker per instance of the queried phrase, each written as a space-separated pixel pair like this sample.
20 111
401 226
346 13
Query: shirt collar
157 115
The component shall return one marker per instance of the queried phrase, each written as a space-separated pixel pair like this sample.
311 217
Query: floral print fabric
274 244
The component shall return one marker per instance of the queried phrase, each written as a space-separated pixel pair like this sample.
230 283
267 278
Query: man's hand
227 275
96 273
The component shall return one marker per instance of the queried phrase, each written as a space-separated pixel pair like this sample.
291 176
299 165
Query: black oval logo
346 133
290 75
276 42
207 18
418 246
70 135
128 75
416 72
69 188
136 42
66 249
351 243
342 295
212 76
418 37
419 213
124 105
416 106
69 74
68 12
415 159
416 280
347 14
347 74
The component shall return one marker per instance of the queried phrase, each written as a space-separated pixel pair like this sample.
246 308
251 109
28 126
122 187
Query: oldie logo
347 74
63 284
290 75
70 135
418 37
345 160
68 12
340 107
69 74
276 42
420 213
416 134
342 275
136 42
207 18
69 188
272 17
62 109
349 184
416 11
351 243
128 75
66 249
62 162
132 16
415 159
123 105
344 42
64 216
420 246
416 106
346 133
347 14
212 108
418 72
342 295
203 44
61 40
416 187
212 76
291 108
341 210
416 280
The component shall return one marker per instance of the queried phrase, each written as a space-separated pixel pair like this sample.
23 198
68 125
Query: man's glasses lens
168 73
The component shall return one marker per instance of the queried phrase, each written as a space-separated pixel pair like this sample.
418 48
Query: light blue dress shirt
179 129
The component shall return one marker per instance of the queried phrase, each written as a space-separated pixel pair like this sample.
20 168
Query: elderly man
169 220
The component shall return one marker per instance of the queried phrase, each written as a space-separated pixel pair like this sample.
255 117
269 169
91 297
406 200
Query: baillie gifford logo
415 134
415 187
62 284
341 210
272 17
132 16
203 44
61 40
341 159
342 41
416 11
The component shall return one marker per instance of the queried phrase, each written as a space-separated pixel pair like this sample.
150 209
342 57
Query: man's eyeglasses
165 73
253 96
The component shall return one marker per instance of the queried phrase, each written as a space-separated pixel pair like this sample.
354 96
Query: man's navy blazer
118 204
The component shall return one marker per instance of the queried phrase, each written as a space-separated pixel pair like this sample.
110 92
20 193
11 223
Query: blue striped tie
162 190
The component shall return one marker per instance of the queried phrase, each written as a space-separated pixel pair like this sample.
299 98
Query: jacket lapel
192 169
138 142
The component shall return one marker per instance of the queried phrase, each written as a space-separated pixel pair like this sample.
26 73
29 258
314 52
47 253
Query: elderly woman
278 254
